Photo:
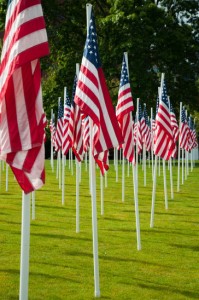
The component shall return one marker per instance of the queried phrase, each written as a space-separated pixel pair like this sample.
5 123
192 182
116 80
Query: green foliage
61 260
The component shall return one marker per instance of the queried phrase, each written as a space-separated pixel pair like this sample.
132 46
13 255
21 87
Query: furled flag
184 132
175 129
86 133
75 131
93 98
59 128
22 115
140 129
192 137
124 110
147 130
67 109
164 142
52 129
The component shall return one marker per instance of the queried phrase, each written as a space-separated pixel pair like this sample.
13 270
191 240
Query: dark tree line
159 36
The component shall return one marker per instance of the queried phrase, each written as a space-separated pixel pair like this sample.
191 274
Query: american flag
140 128
124 110
75 133
21 105
93 98
59 128
164 142
52 129
86 133
184 132
147 130
67 109
192 137
174 124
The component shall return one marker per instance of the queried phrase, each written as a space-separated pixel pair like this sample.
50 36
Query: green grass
61 260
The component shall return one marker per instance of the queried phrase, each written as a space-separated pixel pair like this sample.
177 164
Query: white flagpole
0 172
137 146
71 163
33 205
51 146
123 177
7 177
57 171
77 197
154 192
178 186
106 180
63 179
182 166
165 185
93 192
155 168
25 247
144 163
159 160
77 178
102 193
152 141
116 164
171 178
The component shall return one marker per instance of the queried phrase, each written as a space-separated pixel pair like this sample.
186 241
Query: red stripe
11 102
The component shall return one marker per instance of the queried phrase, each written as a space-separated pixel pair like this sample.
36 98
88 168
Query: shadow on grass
192 248
60 236
111 258
188 294
14 272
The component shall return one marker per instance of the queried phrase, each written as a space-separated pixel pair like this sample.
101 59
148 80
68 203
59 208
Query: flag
52 129
86 133
59 128
67 110
74 137
184 132
164 142
93 98
22 114
139 129
147 130
175 129
124 110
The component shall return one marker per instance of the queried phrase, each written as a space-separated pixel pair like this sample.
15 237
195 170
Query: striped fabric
93 98
184 132
67 109
22 115
164 143
59 128
124 110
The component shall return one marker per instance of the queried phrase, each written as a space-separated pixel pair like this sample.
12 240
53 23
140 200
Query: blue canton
164 94
91 47
124 79
60 110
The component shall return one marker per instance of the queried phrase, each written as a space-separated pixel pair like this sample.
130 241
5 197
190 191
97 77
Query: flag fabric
75 132
67 110
93 98
140 129
175 129
164 142
22 115
147 130
52 129
124 110
86 133
59 128
184 132
192 137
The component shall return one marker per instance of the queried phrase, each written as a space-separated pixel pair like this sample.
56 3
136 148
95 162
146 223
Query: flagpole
179 139
123 177
137 145
102 193
152 141
93 191
51 148
25 247
33 205
6 177
63 161
77 178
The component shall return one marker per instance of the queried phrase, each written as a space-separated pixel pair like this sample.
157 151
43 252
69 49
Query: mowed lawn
61 260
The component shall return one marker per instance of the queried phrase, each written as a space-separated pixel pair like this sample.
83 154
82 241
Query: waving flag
67 110
86 133
22 115
59 128
124 110
147 130
93 98
164 143
184 132
52 129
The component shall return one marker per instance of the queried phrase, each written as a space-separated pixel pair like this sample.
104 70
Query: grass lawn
61 260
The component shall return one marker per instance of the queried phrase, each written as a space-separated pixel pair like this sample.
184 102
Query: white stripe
23 44
22 116
4 133
25 16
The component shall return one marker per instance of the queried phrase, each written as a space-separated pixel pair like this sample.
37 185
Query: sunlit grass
61 260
